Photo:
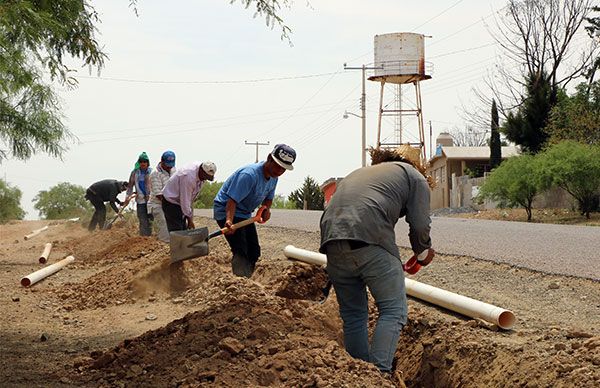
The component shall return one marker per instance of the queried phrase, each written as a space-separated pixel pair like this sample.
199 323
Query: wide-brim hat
405 153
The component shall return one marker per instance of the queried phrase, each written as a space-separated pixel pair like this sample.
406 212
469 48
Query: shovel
108 224
192 243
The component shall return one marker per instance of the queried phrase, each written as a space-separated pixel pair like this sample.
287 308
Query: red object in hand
414 264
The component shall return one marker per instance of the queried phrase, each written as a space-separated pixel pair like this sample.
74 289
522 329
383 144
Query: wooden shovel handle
241 224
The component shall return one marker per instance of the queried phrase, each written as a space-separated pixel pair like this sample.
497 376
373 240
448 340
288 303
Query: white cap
210 168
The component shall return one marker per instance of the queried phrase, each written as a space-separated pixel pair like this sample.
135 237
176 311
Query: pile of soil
122 316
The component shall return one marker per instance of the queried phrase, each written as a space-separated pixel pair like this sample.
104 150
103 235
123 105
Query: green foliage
514 183
10 203
311 193
495 144
280 202
269 9
64 200
35 39
576 117
207 195
574 167
525 127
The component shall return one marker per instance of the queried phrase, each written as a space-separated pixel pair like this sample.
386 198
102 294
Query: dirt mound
242 336
435 353
140 268
98 247
304 281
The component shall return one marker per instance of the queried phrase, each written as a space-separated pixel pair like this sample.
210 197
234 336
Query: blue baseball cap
284 155
168 158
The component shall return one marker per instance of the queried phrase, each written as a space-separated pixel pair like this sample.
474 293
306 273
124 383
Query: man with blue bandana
138 180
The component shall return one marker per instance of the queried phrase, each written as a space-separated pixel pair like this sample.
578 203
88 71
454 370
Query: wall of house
465 189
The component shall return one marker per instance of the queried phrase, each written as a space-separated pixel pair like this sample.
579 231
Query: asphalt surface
559 249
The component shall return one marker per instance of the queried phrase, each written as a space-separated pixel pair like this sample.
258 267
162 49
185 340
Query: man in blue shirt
246 189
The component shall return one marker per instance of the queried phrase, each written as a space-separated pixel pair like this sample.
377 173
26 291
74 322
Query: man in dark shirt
357 235
100 192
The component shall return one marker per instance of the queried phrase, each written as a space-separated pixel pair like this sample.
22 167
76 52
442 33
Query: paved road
561 249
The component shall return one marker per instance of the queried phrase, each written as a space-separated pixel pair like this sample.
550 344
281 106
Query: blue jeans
352 271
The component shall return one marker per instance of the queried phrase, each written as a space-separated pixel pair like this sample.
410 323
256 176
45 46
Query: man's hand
228 224
266 214
190 223
425 257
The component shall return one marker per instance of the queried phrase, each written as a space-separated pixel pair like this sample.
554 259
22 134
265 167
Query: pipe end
506 320
25 282
42 260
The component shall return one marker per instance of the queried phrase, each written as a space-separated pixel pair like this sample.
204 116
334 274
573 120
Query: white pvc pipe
35 232
473 308
45 253
36 276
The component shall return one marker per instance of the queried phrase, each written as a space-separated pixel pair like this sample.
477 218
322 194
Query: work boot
242 266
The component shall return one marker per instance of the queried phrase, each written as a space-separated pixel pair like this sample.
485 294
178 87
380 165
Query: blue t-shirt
248 187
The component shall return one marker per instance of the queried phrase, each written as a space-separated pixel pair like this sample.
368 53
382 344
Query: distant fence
465 189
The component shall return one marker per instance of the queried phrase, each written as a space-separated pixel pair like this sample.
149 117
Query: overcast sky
167 85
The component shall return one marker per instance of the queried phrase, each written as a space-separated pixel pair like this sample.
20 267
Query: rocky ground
121 316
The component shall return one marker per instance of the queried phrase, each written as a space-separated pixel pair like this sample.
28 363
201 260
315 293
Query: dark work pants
174 216
99 216
245 248
145 219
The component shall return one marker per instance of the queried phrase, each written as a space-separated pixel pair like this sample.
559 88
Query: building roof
465 153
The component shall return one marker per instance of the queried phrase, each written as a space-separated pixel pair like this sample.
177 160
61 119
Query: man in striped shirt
158 178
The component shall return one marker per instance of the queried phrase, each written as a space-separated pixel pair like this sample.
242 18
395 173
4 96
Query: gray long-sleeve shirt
368 203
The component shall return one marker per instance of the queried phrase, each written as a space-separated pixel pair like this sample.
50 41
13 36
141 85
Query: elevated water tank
444 139
400 58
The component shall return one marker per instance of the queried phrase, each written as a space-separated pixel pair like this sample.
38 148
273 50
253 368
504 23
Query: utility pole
363 109
430 141
255 144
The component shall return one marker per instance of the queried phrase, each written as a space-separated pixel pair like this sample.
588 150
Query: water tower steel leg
380 114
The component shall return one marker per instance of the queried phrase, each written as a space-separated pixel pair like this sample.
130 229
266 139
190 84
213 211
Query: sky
203 77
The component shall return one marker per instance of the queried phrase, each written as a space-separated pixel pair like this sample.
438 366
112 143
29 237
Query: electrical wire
208 82
438 15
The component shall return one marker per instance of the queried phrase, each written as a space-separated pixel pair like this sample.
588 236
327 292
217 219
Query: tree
281 202
310 194
514 183
10 203
526 126
36 37
64 200
468 137
576 117
574 167
536 37
207 195
269 9
495 144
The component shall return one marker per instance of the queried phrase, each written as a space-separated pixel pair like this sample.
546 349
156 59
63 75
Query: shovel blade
188 244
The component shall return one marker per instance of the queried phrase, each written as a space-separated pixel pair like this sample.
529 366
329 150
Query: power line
143 81
302 106
462 51
439 14
208 120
